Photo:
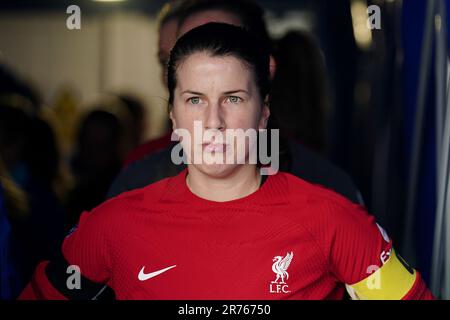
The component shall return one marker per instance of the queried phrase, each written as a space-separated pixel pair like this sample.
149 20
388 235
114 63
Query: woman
222 231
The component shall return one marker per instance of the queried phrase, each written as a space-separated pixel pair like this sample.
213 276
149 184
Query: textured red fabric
227 250
40 288
419 291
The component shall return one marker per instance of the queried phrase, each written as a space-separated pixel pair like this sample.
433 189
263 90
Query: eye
194 100
234 99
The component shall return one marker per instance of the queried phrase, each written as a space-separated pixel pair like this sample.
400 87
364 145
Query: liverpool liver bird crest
280 266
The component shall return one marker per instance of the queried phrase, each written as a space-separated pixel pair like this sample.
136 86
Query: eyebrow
192 92
227 92
236 91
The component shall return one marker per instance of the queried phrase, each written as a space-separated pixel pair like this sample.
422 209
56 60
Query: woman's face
220 95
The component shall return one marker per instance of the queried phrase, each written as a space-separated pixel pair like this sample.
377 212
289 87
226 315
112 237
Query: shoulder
139 197
123 208
316 169
311 190
330 218
319 201
108 226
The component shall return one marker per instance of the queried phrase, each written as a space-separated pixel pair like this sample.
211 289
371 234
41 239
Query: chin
216 170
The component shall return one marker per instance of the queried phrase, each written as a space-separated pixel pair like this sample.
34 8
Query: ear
265 114
174 123
174 136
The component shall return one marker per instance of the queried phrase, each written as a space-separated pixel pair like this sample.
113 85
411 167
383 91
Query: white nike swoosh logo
145 276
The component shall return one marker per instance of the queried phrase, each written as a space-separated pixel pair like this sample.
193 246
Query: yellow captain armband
390 282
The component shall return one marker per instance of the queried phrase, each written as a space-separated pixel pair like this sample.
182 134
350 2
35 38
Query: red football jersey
288 240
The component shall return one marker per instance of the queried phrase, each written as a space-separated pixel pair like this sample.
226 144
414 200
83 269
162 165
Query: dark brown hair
220 39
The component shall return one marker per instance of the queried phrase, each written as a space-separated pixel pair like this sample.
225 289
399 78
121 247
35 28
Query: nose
214 117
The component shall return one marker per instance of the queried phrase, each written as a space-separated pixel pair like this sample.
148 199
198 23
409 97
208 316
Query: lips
214 147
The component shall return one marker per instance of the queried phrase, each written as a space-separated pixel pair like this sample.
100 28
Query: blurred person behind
64 115
101 145
167 20
30 169
137 124
10 279
299 98
5 261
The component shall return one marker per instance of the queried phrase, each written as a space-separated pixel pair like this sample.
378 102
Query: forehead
201 71
207 16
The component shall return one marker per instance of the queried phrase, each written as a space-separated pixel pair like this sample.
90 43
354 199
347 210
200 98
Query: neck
240 183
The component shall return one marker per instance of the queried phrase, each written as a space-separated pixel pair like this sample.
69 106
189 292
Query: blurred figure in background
299 106
5 261
101 145
64 115
10 279
137 123
30 169
299 98
167 35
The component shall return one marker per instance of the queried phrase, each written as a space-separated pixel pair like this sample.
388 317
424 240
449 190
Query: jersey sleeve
362 256
83 269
